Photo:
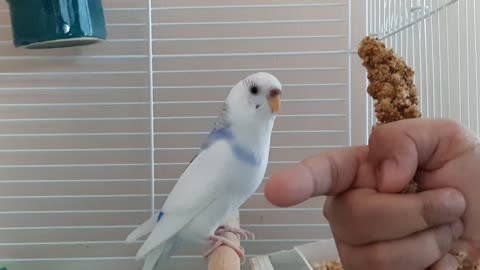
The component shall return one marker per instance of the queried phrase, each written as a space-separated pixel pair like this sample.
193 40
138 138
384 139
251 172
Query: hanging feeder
40 24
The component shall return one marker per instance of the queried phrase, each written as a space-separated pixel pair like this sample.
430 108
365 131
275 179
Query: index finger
325 174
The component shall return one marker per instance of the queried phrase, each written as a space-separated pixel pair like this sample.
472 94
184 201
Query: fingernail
455 203
451 263
457 229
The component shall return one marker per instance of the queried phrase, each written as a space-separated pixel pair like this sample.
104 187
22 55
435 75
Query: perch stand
224 258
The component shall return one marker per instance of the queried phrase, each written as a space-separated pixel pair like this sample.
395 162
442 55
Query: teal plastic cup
38 24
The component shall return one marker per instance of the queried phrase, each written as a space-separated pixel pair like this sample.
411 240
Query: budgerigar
228 169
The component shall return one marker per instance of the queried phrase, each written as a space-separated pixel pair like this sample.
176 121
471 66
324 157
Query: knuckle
454 140
382 131
457 134
338 212
447 262
359 258
427 212
453 126
328 211
452 210
353 211
357 212
311 171
444 238
377 257
348 256
376 134
437 208
334 172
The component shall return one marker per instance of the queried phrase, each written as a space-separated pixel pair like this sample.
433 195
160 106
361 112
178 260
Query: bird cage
438 39
93 138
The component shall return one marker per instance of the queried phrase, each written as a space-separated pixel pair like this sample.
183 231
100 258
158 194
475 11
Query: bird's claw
241 233
218 241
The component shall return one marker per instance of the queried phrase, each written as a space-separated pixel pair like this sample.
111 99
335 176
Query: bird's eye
254 90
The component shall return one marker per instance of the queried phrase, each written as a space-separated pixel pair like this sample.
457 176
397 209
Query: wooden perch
224 258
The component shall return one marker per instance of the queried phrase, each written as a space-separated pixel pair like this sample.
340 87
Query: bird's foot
241 233
218 241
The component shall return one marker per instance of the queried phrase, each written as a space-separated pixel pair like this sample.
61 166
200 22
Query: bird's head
255 98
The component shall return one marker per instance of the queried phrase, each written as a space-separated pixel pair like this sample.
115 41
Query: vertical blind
91 138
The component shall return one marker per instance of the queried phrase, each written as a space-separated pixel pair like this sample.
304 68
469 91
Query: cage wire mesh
439 40
92 139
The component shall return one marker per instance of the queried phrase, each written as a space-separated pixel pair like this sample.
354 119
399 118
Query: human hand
374 226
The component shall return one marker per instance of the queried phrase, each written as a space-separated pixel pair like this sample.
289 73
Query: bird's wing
198 187
147 227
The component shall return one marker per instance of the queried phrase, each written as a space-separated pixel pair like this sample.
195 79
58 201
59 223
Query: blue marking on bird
246 155
160 215
218 134
241 152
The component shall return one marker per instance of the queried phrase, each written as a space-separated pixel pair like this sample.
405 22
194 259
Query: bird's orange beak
274 100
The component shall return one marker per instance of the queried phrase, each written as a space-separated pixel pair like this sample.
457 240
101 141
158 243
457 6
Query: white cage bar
438 39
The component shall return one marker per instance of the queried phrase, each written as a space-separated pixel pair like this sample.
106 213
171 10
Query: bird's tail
142 230
159 256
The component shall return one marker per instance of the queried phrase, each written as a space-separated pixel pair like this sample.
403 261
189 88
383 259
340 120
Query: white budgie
227 171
